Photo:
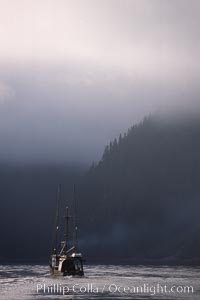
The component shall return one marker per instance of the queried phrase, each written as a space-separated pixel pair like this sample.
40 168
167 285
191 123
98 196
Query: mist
73 76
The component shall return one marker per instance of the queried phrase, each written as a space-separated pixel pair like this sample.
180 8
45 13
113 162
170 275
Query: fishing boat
65 259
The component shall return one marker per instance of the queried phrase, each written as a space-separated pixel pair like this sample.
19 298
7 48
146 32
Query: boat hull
66 265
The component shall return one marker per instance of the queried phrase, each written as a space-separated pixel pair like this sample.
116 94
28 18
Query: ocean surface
34 282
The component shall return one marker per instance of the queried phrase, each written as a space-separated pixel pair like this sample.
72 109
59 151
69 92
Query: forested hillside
142 200
139 204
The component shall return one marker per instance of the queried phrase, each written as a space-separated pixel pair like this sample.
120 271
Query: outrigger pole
75 219
57 219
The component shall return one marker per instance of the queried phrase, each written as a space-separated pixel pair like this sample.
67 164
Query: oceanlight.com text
113 288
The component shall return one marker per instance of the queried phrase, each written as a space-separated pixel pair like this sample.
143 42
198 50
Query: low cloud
6 92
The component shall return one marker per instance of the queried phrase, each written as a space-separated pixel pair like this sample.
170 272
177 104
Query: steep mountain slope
142 200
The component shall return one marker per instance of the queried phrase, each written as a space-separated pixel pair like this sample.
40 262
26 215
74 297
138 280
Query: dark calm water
100 282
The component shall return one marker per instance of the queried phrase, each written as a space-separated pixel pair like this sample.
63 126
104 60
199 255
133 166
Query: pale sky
76 73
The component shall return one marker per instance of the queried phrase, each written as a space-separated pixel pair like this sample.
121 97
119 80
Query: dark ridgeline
139 204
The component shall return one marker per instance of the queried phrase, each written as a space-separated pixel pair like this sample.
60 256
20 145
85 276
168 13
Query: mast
66 227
